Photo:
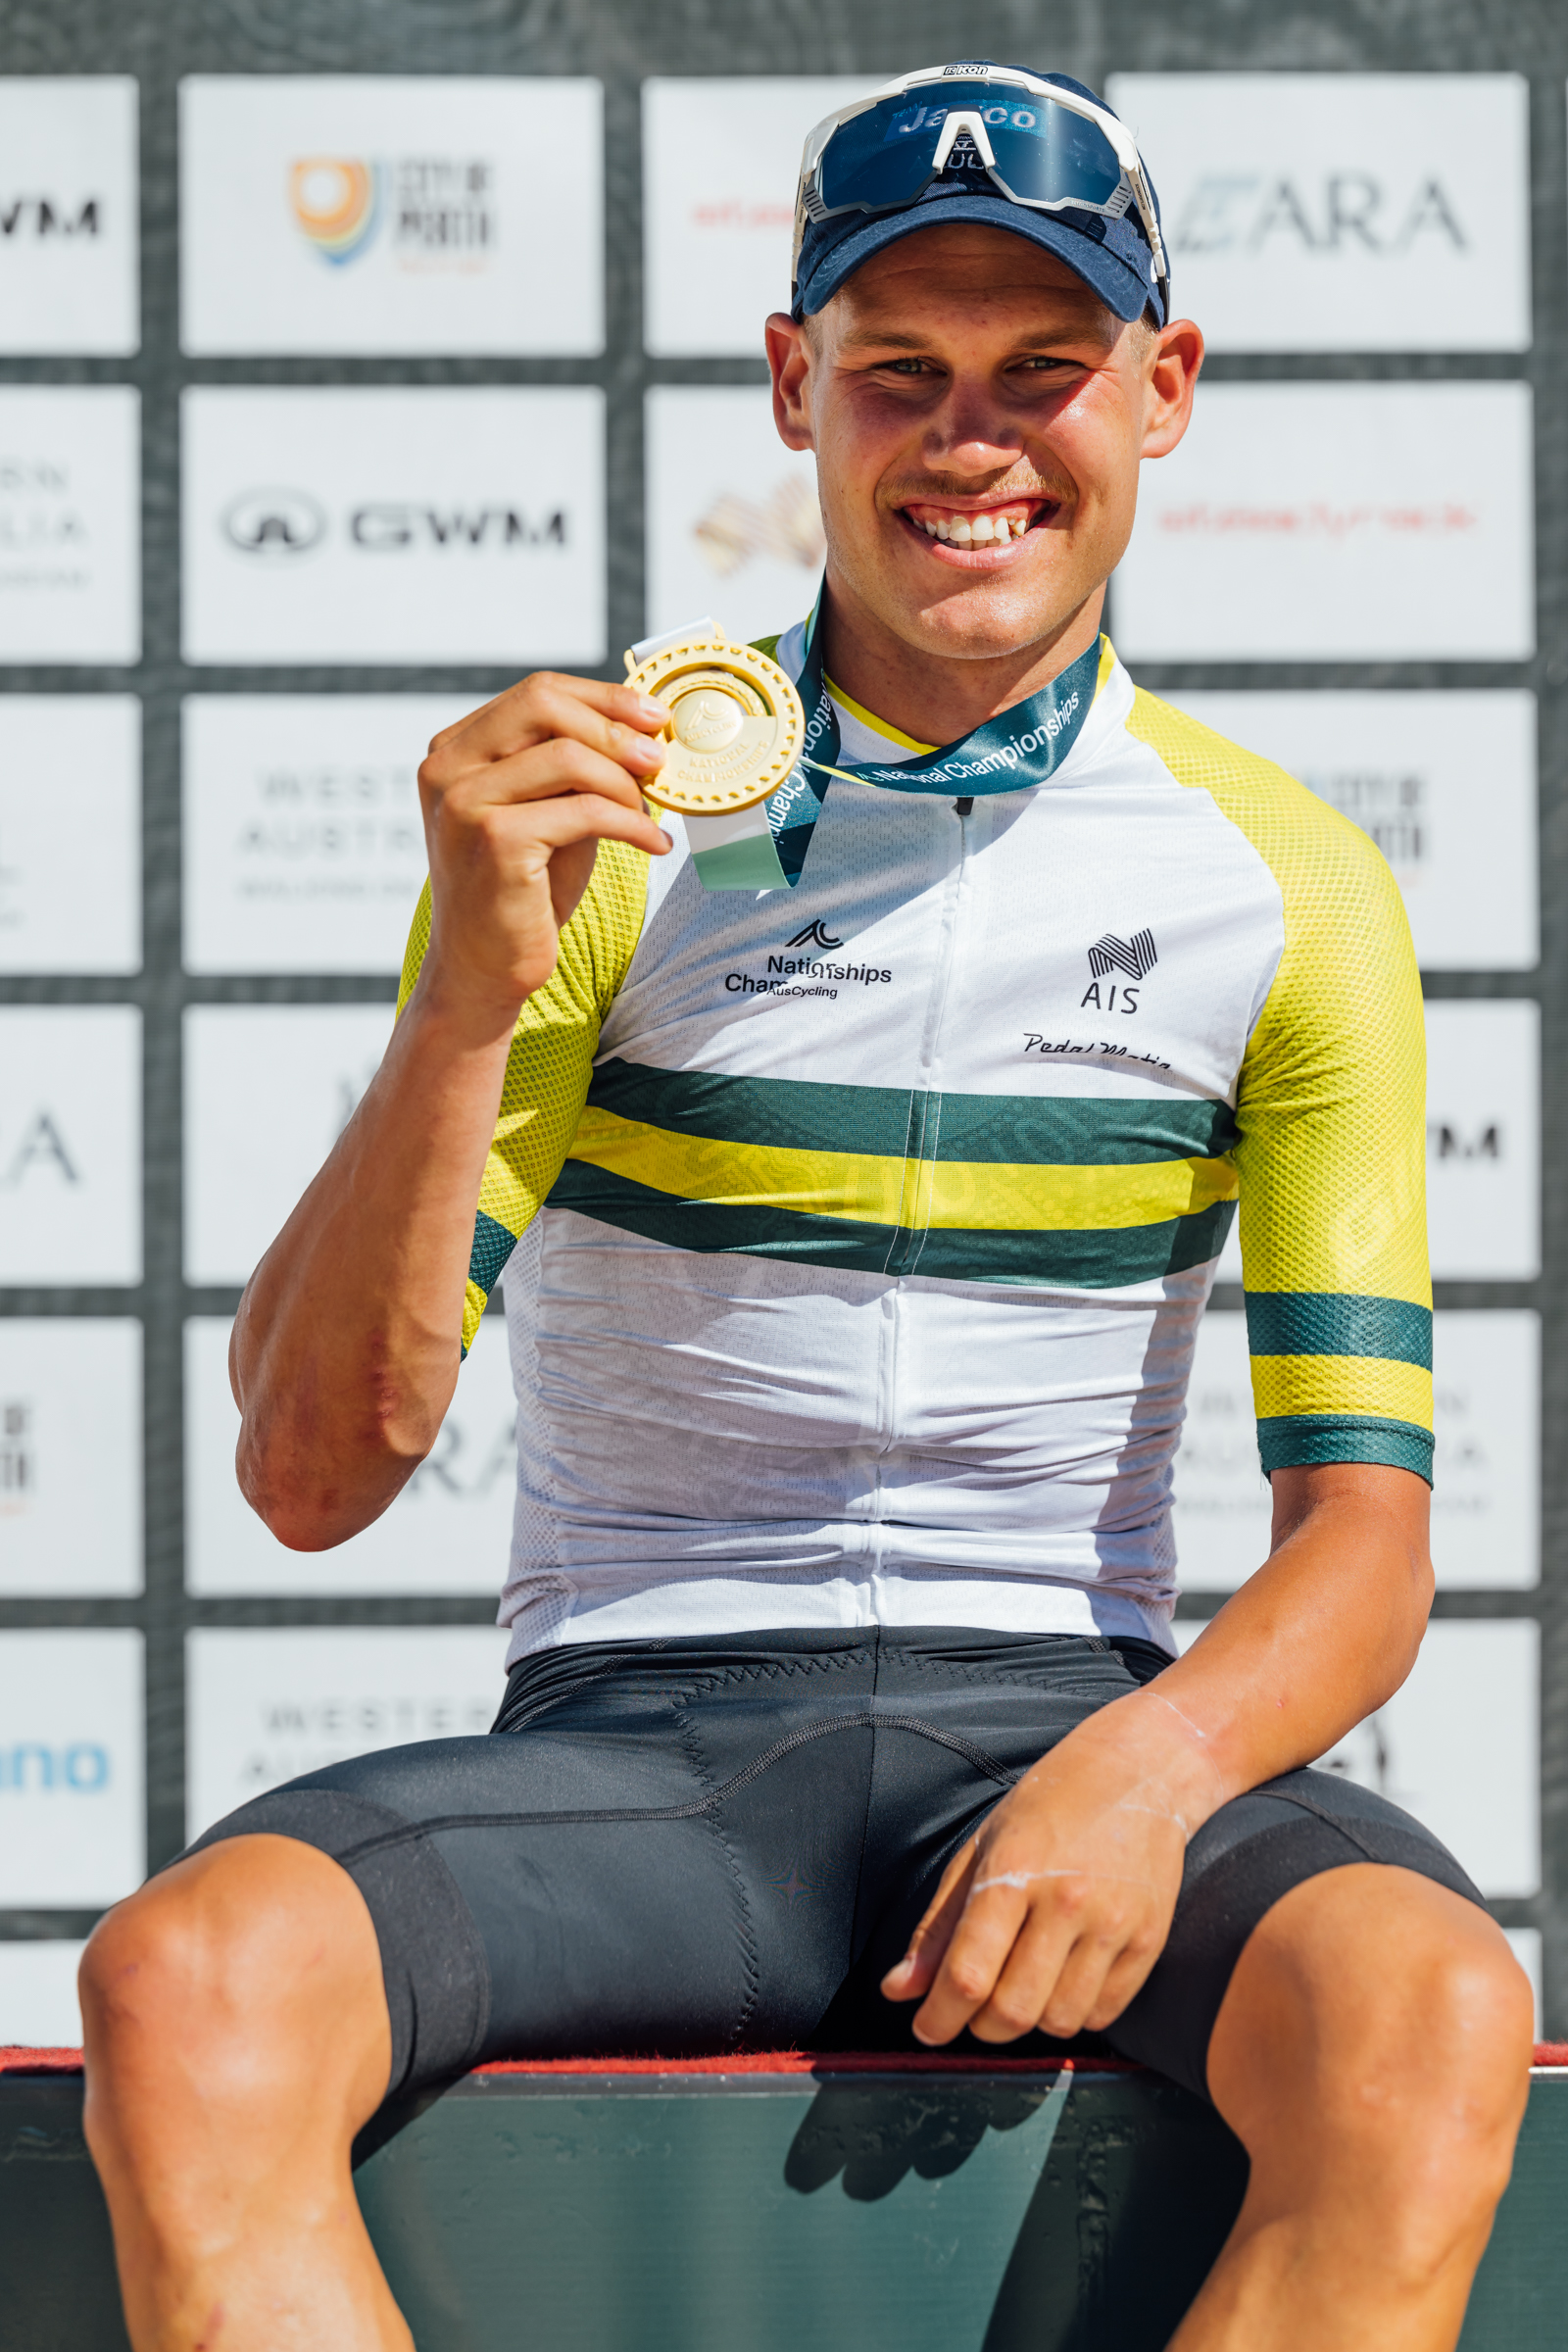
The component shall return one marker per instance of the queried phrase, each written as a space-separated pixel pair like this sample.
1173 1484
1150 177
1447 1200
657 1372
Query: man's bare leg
1372 2054
238 2037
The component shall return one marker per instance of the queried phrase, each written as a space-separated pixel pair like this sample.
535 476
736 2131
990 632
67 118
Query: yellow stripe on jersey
1341 1384
882 1191
980 1195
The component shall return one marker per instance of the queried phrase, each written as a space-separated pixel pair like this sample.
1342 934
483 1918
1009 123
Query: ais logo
336 202
1136 957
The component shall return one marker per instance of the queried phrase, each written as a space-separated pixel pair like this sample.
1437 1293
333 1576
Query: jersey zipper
925 1104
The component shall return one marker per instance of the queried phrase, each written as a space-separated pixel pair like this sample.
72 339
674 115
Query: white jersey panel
908 1447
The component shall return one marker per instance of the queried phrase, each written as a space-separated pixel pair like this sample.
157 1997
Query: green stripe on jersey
1333 1323
1308 1441
896 1122
1100 1259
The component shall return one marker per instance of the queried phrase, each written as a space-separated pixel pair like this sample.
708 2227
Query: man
855 1235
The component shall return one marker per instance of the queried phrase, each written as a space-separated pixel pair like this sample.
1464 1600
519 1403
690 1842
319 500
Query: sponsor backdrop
346 373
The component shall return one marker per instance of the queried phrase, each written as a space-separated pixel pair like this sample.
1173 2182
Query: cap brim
1120 288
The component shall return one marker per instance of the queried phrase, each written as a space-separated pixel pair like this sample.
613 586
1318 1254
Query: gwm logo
1136 957
274 522
814 936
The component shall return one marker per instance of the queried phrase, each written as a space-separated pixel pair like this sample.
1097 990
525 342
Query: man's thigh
632 1863
682 1847
1248 1857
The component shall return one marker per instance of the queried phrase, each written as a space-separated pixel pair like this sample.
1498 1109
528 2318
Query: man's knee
228 1963
1381 2036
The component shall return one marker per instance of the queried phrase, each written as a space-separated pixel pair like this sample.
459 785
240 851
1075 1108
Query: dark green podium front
859 2211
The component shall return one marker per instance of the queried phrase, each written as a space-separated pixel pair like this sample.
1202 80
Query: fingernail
652 710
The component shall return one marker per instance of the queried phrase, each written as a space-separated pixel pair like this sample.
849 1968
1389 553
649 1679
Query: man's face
978 417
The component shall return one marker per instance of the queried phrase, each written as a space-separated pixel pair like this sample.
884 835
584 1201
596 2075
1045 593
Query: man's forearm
348 1339
1323 1634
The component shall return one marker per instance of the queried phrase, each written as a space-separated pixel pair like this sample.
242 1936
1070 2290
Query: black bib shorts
701 1846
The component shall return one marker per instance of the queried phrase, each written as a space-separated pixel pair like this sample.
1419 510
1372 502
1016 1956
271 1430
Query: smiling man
852 1321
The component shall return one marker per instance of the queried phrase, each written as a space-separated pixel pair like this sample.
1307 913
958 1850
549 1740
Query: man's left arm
1059 1908
1055 1912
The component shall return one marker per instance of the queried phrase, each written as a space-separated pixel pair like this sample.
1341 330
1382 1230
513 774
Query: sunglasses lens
1055 157
1046 154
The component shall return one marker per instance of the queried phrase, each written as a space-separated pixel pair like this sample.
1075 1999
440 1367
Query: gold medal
736 727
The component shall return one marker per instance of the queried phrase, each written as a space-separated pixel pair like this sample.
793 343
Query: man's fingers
558 770
1051 1980
590 710
594 816
971 1963
912 1976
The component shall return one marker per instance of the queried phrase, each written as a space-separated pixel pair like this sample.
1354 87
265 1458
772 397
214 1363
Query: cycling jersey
856 1236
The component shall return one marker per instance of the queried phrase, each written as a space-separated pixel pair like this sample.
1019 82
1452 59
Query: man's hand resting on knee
1055 1911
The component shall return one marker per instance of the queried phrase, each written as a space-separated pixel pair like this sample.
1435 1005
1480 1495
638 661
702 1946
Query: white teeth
976 531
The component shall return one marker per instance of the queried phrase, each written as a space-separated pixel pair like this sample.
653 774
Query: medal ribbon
764 848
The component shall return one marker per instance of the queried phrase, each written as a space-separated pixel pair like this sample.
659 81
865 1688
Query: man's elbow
309 1511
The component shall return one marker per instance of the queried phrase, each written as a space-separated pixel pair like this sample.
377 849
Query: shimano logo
814 936
1135 957
274 523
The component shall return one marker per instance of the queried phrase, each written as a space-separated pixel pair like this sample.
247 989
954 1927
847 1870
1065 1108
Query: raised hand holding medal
736 727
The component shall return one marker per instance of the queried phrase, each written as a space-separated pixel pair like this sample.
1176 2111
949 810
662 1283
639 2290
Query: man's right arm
348 1340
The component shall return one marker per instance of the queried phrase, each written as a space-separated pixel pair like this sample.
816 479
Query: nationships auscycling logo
809 974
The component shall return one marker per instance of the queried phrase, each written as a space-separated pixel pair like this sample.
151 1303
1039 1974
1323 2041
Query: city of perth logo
814 936
1136 957
337 201
439 210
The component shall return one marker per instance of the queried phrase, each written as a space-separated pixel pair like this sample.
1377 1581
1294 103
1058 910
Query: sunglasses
1042 146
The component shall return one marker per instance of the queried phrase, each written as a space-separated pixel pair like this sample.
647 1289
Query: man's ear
789 357
1171 367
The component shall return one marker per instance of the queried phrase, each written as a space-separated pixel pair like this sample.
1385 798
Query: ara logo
814 936
1136 957
1351 212
274 523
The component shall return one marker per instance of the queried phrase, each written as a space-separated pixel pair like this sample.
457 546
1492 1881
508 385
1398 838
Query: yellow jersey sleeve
547 1067
1330 1114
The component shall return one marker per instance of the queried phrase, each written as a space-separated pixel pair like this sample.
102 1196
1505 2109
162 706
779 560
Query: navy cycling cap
1112 256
